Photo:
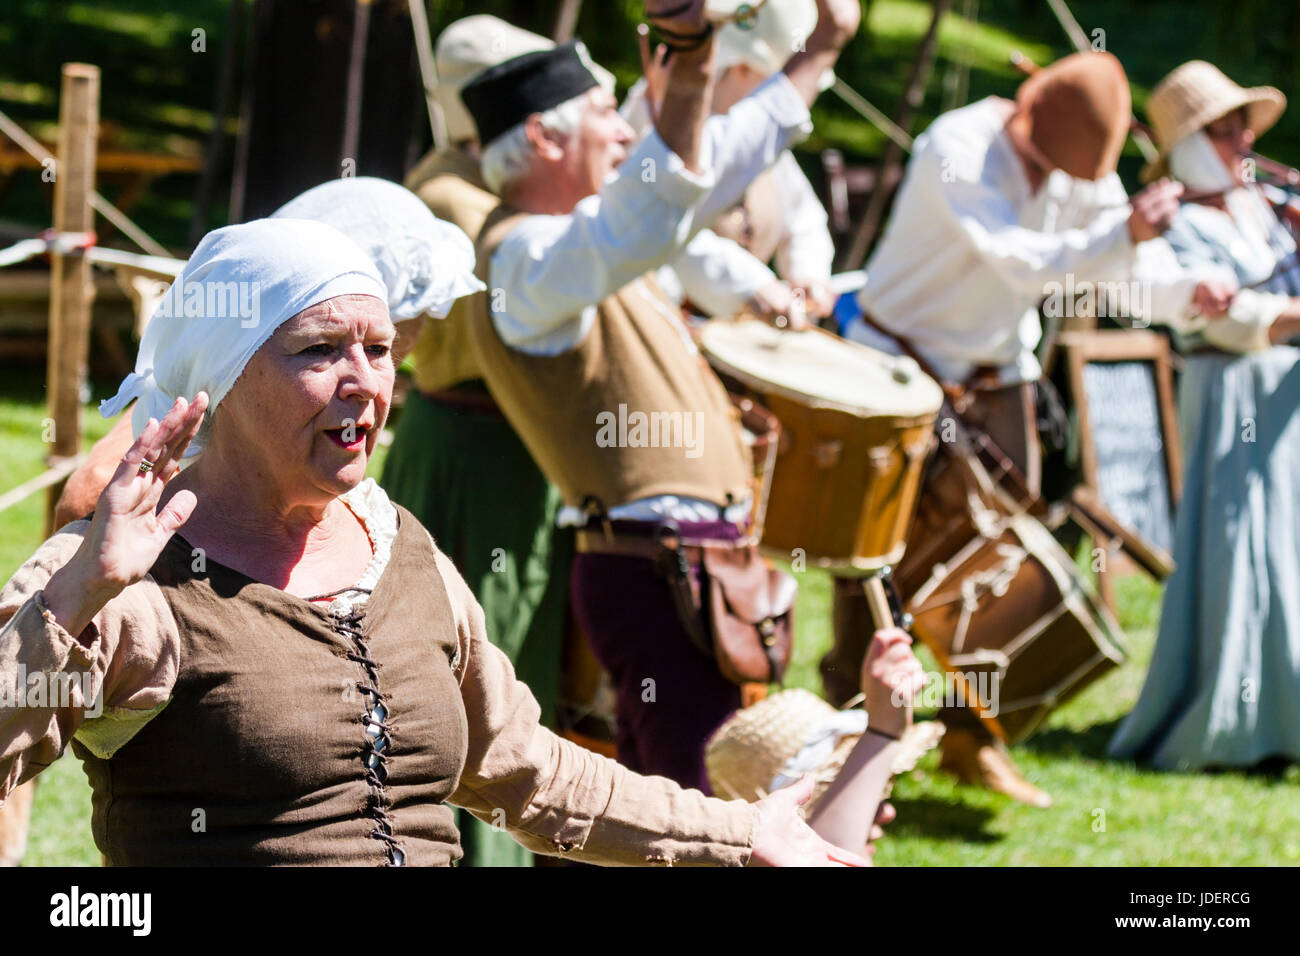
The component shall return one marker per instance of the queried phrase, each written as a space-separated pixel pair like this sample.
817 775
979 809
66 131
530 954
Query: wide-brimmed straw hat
753 748
1196 94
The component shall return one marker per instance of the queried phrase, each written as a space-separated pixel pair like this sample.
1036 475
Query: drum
856 427
998 602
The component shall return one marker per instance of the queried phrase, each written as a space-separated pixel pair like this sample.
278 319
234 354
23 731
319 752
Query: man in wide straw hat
1231 606
1000 198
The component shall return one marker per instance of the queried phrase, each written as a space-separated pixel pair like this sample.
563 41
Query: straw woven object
750 749
1196 94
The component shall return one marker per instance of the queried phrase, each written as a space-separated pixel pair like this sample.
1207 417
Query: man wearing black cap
578 345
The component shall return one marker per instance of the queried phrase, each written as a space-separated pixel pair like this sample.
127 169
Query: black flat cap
507 94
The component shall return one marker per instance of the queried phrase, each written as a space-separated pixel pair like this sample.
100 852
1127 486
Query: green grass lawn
1106 812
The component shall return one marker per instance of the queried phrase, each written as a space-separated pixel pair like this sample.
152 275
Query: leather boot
978 761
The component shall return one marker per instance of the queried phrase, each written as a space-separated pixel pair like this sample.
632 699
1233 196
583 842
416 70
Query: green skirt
470 480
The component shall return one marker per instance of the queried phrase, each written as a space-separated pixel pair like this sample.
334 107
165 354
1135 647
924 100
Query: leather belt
645 539
470 395
986 377
628 546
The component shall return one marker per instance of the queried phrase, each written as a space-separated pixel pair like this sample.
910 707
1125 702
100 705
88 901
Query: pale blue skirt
1223 688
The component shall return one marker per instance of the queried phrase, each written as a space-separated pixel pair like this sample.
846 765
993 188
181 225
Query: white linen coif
426 263
239 286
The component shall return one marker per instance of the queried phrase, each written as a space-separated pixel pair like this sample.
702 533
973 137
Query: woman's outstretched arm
557 798
82 630
891 678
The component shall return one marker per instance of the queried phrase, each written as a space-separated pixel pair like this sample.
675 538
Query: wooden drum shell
845 486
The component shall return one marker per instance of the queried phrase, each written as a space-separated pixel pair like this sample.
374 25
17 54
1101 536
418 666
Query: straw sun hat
791 732
1196 94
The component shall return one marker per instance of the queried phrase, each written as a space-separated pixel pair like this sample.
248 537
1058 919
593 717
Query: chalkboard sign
1130 450
1128 438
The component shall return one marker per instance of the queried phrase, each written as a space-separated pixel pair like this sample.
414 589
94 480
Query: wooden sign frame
1130 345
1080 349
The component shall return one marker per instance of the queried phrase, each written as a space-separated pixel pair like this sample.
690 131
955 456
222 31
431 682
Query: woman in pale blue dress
1223 689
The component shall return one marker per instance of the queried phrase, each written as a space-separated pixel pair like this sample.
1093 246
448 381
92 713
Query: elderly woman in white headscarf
259 659
425 265
1223 688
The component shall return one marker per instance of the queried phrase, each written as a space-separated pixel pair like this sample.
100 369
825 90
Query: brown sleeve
127 659
557 798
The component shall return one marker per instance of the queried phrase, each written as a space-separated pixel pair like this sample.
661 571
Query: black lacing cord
377 732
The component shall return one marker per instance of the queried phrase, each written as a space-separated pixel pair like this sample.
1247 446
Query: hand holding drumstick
851 813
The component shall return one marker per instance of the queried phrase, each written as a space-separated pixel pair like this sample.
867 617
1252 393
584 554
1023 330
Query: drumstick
878 602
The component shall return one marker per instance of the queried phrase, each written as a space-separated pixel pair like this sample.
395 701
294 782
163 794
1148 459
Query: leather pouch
740 610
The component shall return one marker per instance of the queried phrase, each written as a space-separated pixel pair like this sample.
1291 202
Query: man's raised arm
837 23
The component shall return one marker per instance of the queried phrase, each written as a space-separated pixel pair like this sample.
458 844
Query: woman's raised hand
128 531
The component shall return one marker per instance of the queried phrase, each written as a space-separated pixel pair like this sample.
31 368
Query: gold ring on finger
146 466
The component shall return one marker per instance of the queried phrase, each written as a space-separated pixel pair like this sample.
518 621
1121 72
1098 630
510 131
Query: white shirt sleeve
552 270
807 250
1168 286
719 275
1026 258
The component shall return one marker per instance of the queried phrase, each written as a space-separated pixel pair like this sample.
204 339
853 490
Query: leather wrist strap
671 12
683 42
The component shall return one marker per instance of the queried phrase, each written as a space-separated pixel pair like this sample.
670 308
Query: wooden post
566 20
428 71
913 95
71 289
220 109
356 81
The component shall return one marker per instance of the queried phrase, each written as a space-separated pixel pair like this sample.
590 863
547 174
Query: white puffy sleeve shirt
969 248
555 269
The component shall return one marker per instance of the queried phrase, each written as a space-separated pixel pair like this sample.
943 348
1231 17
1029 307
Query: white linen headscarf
239 286
1195 162
426 263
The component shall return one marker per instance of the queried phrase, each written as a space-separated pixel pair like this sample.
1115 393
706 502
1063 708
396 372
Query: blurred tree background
159 92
